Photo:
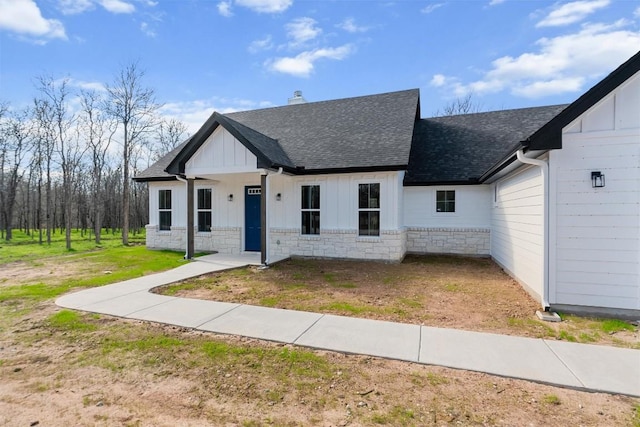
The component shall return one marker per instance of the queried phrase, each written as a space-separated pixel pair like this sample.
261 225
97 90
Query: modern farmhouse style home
552 194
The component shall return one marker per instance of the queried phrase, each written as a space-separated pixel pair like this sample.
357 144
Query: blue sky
206 55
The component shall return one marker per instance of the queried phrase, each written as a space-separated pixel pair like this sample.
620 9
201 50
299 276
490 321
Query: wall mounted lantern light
597 179
230 198
278 197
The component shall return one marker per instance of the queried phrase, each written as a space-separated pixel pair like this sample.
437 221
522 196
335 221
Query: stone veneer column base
226 240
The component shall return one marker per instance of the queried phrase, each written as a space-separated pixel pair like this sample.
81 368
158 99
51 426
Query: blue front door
252 231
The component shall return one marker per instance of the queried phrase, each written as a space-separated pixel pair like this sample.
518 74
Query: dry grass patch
441 291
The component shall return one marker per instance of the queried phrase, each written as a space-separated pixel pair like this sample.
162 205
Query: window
164 207
310 209
369 209
445 201
204 209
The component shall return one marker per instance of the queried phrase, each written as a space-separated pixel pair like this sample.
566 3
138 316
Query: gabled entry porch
228 213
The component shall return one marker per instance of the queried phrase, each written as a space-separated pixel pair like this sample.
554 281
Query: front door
252 232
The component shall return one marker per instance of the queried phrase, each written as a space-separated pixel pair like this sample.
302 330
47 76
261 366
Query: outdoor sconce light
278 197
597 179
230 198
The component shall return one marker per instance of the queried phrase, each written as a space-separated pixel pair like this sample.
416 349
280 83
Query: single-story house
552 193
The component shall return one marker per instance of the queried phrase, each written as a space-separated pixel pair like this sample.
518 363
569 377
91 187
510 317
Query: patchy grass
92 369
551 399
96 267
442 291
25 247
67 320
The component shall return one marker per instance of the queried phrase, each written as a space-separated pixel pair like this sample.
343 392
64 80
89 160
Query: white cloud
496 2
548 88
562 64
568 13
261 45
25 18
302 65
194 113
636 12
431 7
147 30
438 80
224 9
81 84
72 7
301 30
266 6
349 25
117 6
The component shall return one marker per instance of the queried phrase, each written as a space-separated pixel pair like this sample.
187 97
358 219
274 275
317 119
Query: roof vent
297 98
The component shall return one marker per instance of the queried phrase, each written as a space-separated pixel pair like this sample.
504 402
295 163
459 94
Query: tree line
66 160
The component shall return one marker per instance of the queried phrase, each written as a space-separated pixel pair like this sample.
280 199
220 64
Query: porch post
190 225
263 219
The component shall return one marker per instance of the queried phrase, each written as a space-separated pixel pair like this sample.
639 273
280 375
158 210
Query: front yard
60 367
441 291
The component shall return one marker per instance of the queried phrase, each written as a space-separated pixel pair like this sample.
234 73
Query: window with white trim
164 209
204 209
369 209
445 201
310 209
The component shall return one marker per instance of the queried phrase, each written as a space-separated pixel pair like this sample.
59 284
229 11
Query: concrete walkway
579 366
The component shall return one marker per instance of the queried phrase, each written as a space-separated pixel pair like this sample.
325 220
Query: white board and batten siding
517 227
338 199
595 232
221 153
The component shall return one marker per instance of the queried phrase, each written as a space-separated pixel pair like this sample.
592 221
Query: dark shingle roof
362 132
459 149
156 172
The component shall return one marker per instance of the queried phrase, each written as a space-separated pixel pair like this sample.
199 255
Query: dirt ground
451 292
117 372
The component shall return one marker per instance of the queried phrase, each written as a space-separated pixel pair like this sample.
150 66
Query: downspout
186 228
266 201
544 168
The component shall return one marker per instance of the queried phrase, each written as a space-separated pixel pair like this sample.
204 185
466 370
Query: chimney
297 98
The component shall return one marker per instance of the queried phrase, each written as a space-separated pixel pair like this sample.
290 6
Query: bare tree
68 148
134 107
15 136
464 105
169 134
45 146
98 132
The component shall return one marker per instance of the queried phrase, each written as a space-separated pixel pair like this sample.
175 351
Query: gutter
544 168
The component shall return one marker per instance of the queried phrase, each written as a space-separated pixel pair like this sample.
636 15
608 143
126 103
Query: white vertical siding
595 232
221 153
338 199
178 202
517 227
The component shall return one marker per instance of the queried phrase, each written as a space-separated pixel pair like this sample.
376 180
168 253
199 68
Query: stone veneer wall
464 241
389 246
225 240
